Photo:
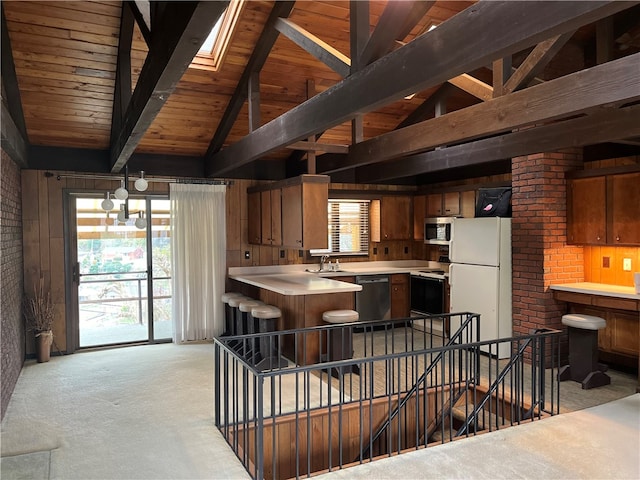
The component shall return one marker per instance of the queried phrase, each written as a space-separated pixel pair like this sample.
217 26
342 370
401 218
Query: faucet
323 259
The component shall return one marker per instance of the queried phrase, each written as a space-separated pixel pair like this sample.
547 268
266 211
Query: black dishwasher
373 302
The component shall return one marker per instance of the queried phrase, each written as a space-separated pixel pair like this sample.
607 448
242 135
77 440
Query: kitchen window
348 228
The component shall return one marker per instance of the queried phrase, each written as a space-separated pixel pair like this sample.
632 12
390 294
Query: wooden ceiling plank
535 62
259 56
184 28
610 83
446 50
319 147
602 126
395 23
10 89
313 45
473 86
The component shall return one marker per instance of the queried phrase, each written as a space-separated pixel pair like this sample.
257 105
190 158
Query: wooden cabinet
305 220
291 213
395 218
271 217
604 210
400 305
419 214
254 218
586 219
443 204
625 211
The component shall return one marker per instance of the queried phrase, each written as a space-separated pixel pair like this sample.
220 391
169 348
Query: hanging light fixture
141 184
141 222
122 218
107 203
121 192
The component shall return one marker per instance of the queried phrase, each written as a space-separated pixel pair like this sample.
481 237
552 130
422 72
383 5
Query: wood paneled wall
43 239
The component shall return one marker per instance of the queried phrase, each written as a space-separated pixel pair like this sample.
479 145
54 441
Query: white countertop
295 280
302 283
598 289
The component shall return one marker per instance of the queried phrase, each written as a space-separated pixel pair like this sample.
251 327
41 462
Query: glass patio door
122 273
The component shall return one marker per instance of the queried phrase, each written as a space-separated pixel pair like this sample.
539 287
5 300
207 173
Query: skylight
211 54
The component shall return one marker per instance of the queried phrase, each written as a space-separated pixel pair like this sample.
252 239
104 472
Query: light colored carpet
595 443
146 412
131 413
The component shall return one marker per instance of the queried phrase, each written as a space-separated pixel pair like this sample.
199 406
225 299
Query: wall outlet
626 264
281 253
605 262
247 255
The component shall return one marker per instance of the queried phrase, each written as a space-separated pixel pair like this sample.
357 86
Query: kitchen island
303 296
619 342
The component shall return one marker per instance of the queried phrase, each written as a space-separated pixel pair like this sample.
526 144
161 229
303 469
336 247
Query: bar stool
267 318
248 326
234 304
229 316
340 340
583 364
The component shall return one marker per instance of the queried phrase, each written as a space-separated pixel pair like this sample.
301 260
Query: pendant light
141 184
121 192
141 222
107 203
122 214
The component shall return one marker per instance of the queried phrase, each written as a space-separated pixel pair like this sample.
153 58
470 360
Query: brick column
541 256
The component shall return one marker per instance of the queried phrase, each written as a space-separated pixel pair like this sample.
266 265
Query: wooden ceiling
432 102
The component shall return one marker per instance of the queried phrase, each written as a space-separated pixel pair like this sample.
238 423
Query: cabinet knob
598 237
618 238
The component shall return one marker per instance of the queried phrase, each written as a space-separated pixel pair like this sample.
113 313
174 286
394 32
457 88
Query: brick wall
11 281
540 254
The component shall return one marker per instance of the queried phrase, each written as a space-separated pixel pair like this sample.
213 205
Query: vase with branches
39 313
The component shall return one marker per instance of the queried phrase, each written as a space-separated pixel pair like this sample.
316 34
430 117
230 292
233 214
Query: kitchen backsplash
605 265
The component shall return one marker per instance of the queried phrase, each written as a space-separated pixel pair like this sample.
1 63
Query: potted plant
39 313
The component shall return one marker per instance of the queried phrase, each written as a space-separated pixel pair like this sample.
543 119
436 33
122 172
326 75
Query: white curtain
198 257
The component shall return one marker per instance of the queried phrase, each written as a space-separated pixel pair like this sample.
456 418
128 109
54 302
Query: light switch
626 264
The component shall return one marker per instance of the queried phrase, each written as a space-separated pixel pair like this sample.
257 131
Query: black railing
402 389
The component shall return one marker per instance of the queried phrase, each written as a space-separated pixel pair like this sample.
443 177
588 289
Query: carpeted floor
144 412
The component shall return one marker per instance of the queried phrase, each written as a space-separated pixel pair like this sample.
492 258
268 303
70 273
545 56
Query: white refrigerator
480 276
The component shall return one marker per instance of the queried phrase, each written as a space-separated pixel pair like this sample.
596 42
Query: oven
427 294
428 297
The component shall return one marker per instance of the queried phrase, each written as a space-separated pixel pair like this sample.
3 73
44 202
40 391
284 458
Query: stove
429 273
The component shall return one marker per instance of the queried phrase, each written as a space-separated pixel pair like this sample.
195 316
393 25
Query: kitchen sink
317 270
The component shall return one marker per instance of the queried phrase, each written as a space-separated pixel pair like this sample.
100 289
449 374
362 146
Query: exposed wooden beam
122 94
184 27
604 40
319 147
535 62
502 71
260 53
473 86
430 59
254 101
396 20
427 108
140 20
11 92
602 126
606 84
358 32
12 140
313 45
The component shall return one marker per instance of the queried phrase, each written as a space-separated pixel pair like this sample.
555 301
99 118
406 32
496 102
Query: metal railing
395 388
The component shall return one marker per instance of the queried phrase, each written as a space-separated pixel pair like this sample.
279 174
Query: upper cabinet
395 217
604 210
271 216
290 213
443 204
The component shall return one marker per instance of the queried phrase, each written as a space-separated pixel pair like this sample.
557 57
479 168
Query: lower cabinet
400 306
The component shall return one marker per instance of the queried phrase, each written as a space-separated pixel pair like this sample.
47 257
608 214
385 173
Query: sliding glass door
121 272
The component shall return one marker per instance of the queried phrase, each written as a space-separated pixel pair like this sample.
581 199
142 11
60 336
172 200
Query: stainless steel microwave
438 230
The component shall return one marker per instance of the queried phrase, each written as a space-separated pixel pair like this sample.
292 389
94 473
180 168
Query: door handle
76 273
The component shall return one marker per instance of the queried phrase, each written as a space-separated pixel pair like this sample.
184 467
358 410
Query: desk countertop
598 289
